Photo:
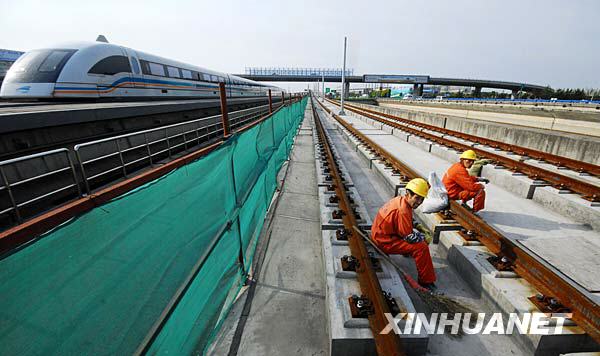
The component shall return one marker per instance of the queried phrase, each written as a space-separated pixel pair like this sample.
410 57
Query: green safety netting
97 284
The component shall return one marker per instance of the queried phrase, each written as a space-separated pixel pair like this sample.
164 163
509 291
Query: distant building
7 58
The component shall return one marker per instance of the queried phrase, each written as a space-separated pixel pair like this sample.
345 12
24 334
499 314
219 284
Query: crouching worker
393 232
461 186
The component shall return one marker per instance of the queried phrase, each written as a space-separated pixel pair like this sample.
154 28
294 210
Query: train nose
29 90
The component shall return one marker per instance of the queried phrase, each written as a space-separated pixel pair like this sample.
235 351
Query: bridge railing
19 180
121 155
317 72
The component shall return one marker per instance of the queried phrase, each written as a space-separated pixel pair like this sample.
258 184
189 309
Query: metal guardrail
287 71
172 138
119 155
9 186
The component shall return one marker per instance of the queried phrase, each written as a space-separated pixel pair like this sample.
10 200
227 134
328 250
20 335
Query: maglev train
98 70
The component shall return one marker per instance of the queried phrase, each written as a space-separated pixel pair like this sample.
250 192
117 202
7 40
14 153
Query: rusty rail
386 344
586 313
588 191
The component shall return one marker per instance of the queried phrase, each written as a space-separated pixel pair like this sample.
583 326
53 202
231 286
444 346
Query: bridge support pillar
346 90
418 89
477 92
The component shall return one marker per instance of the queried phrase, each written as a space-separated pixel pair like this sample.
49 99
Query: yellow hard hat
469 154
418 186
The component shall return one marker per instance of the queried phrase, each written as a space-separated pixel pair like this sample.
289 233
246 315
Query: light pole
323 84
343 80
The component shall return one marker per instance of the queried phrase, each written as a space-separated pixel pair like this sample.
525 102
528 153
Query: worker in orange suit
461 186
393 231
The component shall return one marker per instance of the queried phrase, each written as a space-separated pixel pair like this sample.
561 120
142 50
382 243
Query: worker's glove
483 180
422 229
415 237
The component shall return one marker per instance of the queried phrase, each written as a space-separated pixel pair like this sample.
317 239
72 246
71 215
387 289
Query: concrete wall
575 146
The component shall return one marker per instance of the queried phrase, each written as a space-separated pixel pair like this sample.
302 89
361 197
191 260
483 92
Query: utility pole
342 113
323 84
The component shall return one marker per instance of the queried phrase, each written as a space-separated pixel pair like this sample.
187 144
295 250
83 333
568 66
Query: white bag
437 198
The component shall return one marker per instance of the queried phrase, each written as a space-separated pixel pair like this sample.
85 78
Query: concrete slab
510 296
578 260
573 206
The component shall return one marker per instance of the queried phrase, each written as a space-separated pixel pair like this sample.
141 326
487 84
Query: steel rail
588 191
560 161
386 344
586 313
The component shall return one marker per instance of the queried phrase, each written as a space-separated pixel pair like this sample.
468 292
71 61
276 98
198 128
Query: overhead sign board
403 79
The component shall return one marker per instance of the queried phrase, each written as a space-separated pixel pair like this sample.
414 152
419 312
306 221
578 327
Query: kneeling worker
461 186
393 232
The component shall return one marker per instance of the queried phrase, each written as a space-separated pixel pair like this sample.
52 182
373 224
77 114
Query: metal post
168 142
237 218
83 175
343 80
11 196
75 181
121 158
148 150
224 117
282 98
323 85
270 103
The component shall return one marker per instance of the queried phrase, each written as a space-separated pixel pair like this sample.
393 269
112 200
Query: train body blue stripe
137 80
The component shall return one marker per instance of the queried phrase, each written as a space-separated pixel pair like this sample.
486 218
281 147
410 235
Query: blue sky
541 42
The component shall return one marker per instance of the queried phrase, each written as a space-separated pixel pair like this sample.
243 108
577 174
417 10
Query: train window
134 65
206 77
157 69
145 67
186 74
111 65
173 72
39 66
51 63
196 76
214 78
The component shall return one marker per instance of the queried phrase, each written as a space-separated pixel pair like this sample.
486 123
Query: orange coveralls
460 185
391 225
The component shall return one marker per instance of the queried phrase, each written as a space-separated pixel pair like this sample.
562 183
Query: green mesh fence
97 284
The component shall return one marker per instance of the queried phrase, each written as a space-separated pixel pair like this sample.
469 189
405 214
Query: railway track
549 282
386 344
588 191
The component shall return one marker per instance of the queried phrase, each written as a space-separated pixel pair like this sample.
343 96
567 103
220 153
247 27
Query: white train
96 70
